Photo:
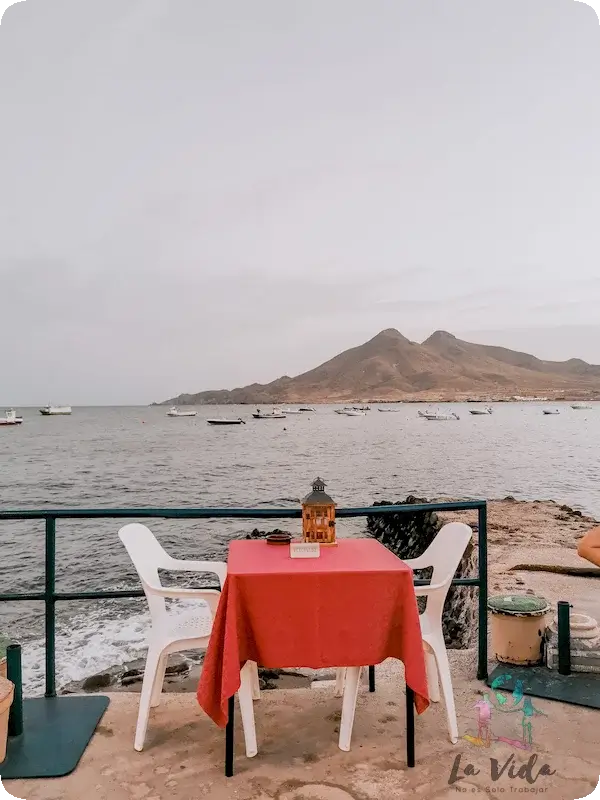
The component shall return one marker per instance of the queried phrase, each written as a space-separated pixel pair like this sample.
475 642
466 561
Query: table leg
372 679
410 726
229 739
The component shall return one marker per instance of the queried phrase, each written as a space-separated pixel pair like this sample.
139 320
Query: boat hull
225 421
6 423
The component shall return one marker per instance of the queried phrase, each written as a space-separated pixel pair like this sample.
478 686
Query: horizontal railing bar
108 595
229 513
32 596
134 593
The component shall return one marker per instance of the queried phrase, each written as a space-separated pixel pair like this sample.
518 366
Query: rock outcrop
408 535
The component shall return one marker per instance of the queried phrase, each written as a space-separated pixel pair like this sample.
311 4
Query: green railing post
14 673
50 601
482 670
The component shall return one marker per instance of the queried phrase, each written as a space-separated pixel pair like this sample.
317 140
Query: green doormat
578 688
56 733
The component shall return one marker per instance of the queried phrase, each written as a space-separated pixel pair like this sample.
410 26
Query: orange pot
518 629
7 691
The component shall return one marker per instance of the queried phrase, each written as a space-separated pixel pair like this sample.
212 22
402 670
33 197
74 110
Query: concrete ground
299 759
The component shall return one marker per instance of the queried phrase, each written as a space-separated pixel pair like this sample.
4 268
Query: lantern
318 516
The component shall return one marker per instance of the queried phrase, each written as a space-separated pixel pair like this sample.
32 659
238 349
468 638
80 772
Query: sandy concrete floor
299 759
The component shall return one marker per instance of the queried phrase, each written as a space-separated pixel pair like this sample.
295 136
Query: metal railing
50 596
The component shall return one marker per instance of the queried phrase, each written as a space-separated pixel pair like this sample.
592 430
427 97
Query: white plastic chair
179 629
444 554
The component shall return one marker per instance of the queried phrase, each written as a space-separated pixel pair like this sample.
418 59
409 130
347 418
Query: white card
305 550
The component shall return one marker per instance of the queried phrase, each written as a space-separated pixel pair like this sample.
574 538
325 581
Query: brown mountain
390 367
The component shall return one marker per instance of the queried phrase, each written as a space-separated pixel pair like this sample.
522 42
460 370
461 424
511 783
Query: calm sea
133 457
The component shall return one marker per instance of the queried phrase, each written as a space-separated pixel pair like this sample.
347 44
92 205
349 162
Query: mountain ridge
391 367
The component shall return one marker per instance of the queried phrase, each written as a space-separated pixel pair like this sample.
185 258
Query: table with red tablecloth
353 606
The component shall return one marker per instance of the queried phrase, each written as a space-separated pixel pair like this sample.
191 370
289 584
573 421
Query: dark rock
408 535
129 680
96 682
269 674
177 665
258 534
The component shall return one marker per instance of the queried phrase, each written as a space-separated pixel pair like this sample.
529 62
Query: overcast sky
197 195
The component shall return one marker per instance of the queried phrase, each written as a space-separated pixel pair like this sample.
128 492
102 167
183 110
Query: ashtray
279 538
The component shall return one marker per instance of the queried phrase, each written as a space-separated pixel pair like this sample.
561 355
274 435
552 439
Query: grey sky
201 194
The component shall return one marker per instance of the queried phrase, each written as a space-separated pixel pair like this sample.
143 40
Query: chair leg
349 706
340 677
247 708
152 665
432 677
159 681
443 667
372 678
255 681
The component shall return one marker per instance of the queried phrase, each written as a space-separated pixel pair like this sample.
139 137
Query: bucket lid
518 604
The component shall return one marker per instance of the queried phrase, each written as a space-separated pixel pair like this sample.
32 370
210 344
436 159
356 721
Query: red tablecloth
353 606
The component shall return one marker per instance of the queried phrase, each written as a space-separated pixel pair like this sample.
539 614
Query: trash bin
518 628
6 697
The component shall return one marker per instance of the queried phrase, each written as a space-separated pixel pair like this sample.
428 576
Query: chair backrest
148 557
446 551
444 554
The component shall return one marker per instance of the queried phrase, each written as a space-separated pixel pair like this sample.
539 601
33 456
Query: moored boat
581 407
305 409
55 411
291 411
10 418
225 421
274 414
481 411
178 412
550 411
438 416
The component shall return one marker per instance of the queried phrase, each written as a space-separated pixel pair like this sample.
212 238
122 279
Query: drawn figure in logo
529 711
484 720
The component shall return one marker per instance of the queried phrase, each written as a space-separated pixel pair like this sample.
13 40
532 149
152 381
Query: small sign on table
305 550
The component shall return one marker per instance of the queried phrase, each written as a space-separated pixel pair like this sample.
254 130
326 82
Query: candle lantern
318 515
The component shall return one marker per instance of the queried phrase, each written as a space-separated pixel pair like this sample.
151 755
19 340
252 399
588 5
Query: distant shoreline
574 398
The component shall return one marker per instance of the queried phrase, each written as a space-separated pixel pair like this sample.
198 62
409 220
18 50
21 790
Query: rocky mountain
391 367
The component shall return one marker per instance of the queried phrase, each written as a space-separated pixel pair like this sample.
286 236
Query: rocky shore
523 538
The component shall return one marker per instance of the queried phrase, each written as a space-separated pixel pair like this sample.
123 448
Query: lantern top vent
318 496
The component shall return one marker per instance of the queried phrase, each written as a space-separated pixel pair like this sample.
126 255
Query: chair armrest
423 591
218 568
418 563
210 596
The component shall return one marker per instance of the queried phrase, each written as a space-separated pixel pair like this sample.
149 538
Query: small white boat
291 411
481 411
304 409
438 416
549 411
350 412
274 414
581 407
55 411
225 421
10 418
177 412
389 410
